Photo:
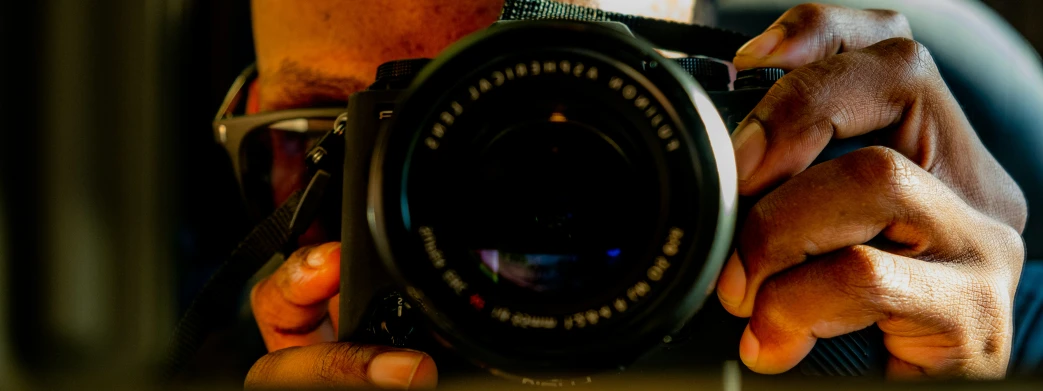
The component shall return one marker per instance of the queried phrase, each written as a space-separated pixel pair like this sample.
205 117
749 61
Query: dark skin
944 217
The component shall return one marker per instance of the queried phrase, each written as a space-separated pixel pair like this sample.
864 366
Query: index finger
290 306
811 32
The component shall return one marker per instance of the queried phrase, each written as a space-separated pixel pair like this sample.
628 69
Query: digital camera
549 199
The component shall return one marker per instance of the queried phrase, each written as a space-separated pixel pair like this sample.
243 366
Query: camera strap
686 38
216 304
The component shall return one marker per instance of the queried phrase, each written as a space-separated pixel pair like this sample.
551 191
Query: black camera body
548 199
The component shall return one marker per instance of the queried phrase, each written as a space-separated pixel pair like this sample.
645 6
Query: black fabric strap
216 304
680 37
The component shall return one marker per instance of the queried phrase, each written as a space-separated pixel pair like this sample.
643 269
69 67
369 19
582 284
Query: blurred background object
116 204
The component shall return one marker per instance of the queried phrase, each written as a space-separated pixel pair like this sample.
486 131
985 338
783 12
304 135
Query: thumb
811 32
340 365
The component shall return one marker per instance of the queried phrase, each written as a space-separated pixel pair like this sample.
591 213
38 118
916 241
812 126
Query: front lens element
549 205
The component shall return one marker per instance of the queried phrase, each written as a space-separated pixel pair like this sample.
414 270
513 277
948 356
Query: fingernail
397 369
749 348
319 255
315 257
764 44
750 144
731 287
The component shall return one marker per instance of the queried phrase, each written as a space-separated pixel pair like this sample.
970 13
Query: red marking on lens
477 302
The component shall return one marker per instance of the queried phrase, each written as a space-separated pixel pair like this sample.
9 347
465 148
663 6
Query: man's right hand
296 309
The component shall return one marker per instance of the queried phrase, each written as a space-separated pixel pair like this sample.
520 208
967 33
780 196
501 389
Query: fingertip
426 375
323 256
749 349
311 275
750 142
731 285
762 45
403 369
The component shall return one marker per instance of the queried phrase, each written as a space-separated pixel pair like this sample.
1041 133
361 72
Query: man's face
316 52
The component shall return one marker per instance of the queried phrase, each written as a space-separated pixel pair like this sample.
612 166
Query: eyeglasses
255 142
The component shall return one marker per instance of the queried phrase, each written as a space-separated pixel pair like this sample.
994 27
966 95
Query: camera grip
861 353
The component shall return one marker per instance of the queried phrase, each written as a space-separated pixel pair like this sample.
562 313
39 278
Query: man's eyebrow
302 86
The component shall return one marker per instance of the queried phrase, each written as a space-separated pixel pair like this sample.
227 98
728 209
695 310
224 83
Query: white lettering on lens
438 130
620 304
430 142
543 383
578 70
629 92
579 320
665 132
430 245
592 317
605 312
565 66
615 83
567 323
447 118
550 67
534 67
457 109
528 321
497 78
641 102
521 70
656 271
454 281
509 72
673 239
638 291
592 73
656 120
672 145
474 92
484 85
501 314
650 112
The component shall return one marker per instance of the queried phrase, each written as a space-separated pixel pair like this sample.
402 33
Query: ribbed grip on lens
861 353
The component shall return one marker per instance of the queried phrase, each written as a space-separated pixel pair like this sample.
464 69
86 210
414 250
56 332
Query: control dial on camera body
398 74
392 322
757 77
711 74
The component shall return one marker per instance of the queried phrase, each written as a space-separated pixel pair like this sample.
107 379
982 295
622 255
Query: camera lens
549 202
549 206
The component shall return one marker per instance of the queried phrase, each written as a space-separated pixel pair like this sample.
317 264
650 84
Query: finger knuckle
1010 247
996 248
865 274
913 60
771 307
883 170
988 309
895 22
799 88
812 14
759 229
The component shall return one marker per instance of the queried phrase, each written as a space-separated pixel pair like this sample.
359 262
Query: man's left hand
943 218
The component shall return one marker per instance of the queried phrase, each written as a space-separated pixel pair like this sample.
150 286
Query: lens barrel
553 204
